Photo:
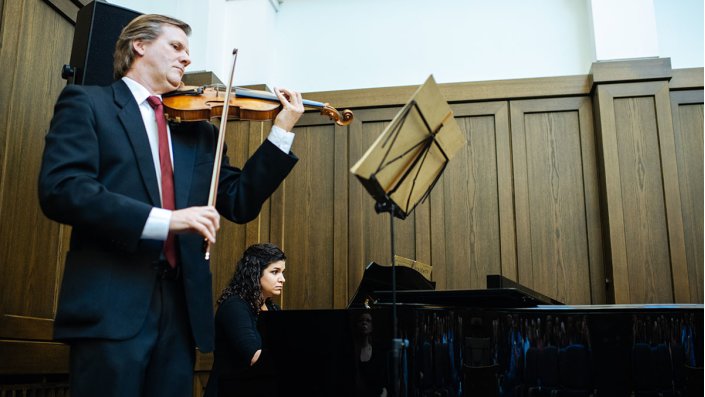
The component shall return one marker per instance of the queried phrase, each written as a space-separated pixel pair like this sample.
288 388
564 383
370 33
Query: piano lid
472 298
500 293
379 278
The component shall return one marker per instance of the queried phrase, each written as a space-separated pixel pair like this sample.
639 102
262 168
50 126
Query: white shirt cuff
157 225
281 139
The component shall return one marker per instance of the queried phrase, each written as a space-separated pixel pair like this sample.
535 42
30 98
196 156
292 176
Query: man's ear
138 46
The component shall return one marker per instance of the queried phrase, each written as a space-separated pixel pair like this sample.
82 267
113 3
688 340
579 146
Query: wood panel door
308 217
558 231
472 220
687 110
642 197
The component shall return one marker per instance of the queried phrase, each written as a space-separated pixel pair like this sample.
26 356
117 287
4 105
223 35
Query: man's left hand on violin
292 109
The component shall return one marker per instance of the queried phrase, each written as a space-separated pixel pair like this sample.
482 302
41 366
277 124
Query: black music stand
403 165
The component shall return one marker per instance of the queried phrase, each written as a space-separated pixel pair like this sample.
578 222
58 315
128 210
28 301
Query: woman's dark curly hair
245 282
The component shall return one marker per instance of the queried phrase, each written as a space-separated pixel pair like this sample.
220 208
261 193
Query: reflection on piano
492 342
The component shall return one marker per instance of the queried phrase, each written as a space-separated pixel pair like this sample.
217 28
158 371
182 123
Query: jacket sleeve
236 322
74 187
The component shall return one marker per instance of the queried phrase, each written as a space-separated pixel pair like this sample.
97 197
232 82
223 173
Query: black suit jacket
98 176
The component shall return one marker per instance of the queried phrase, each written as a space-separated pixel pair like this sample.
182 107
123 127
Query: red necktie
167 174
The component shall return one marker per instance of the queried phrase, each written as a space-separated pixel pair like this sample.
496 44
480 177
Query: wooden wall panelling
31 254
422 232
200 381
645 228
33 357
686 79
304 223
557 208
36 41
341 221
369 232
687 111
67 8
258 230
357 198
472 222
242 138
473 91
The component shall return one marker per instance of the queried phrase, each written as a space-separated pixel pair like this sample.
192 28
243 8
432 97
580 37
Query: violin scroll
341 119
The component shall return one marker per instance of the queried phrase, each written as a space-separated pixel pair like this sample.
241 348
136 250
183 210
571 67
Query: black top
236 341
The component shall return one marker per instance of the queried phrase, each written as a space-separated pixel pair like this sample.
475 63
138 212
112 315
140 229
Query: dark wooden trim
459 92
686 79
67 8
23 357
30 328
631 70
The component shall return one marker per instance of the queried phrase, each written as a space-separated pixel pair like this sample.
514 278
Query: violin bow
213 194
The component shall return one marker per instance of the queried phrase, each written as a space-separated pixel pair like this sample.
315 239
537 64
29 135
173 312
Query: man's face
165 58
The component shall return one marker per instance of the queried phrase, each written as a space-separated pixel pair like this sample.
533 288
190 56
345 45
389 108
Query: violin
205 103
190 103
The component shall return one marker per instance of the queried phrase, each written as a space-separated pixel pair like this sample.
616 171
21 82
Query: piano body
502 341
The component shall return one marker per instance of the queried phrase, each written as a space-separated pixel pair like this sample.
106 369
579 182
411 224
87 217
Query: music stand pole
398 376
395 334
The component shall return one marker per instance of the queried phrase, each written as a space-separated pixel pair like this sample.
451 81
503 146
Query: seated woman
238 367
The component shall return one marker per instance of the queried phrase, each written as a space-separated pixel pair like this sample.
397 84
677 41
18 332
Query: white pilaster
624 29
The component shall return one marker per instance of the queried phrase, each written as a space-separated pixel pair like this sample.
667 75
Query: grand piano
505 340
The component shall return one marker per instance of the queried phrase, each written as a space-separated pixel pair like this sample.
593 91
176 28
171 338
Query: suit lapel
131 119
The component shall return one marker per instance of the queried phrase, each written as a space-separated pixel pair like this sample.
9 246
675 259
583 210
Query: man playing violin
136 292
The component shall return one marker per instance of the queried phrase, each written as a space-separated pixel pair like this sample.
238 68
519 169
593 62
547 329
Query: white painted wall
372 43
321 45
624 29
679 24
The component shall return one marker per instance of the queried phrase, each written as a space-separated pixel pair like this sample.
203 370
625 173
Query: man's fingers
290 99
201 220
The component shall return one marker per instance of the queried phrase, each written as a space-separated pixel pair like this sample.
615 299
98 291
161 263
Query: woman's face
272 280
364 324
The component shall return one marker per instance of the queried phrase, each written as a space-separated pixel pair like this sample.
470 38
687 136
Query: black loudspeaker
98 26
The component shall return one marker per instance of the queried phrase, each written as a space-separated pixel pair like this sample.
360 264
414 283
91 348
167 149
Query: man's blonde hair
145 27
